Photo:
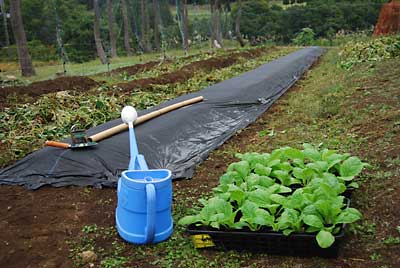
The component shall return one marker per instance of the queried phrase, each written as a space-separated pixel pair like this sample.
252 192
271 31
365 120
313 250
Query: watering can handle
151 212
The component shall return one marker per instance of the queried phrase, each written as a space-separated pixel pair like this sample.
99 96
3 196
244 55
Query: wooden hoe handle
119 128
58 144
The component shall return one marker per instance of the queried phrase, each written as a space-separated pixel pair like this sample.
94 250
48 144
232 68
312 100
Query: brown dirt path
35 225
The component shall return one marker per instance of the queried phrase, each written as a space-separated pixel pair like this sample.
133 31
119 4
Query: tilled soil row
135 69
188 71
36 89
143 67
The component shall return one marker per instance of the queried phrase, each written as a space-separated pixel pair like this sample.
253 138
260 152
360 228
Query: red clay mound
36 89
389 19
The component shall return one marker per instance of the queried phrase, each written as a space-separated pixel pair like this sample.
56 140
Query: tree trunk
127 28
20 39
212 24
96 30
225 31
237 24
156 24
142 26
147 20
216 35
59 40
111 30
60 43
3 13
144 18
185 26
6 35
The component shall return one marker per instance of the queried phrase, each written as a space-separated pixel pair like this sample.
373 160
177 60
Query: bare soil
19 94
143 67
137 68
36 224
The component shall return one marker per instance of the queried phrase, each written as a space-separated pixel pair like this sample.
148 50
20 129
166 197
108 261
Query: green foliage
114 262
255 193
88 229
10 81
325 18
75 21
304 38
37 50
259 20
374 50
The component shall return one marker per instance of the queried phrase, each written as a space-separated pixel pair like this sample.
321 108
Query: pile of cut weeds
189 70
31 92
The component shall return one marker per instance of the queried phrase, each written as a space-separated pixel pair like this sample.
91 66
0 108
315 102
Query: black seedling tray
270 242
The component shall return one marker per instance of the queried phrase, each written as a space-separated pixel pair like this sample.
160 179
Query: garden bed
188 71
31 92
51 226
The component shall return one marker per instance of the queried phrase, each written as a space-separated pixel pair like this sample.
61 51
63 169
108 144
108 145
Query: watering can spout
137 161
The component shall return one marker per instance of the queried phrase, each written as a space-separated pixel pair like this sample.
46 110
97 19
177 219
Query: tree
4 15
144 26
58 35
127 28
237 24
96 30
111 22
156 25
185 25
183 20
216 34
147 21
20 39
226 9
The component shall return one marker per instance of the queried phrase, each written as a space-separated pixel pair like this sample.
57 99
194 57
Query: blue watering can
143 213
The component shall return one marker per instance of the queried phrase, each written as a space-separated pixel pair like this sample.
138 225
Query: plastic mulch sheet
179 140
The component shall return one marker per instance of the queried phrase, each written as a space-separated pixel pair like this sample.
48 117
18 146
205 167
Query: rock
88 256
11 77
62 94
